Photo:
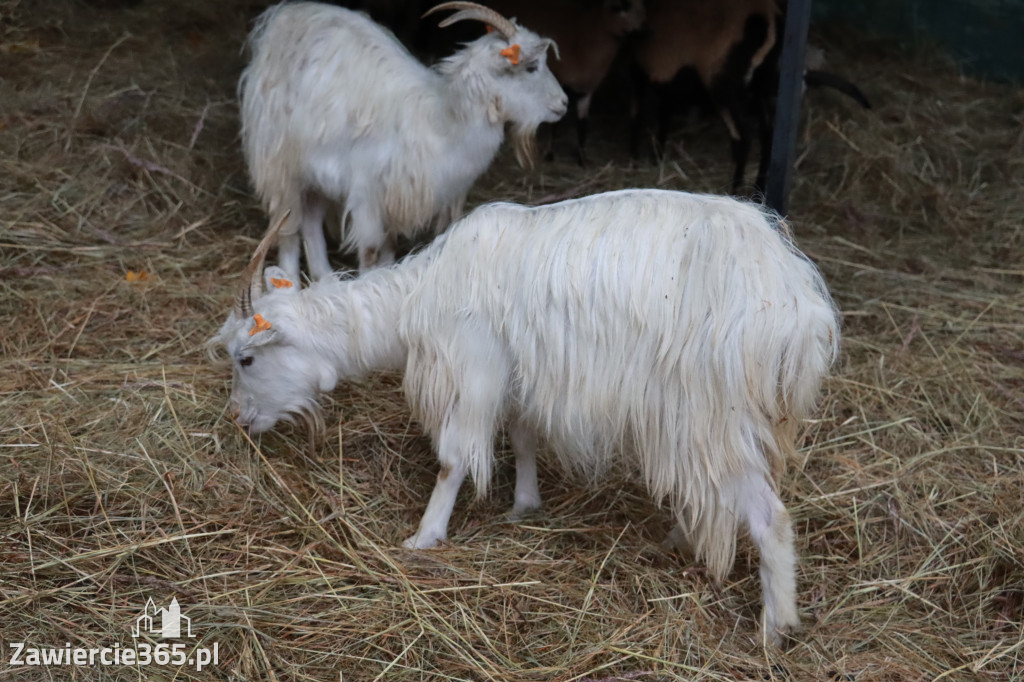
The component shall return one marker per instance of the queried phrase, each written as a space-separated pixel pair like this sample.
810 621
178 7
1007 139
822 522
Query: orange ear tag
260 326
511 53
279 283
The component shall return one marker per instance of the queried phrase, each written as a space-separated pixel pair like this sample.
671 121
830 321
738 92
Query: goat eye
246 361
531 68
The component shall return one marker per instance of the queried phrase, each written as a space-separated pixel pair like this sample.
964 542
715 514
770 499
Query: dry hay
121 478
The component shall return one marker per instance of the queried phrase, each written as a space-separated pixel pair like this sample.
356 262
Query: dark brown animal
722 43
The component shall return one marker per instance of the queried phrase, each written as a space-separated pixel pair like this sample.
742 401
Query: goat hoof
778 637
677 541
780 634
777 672
519 511
419 541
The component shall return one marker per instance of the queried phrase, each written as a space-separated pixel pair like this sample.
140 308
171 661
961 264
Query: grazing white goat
336 111
683 332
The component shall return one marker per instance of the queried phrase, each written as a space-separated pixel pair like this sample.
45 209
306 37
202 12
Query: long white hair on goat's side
681 329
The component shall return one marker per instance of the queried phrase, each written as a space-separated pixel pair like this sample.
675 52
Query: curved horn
253 273
471 10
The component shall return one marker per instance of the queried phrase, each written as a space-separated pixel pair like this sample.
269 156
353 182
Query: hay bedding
121 477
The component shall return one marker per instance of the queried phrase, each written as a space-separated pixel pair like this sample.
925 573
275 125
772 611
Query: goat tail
809 346
777 333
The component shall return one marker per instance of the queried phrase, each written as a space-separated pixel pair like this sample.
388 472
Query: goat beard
524 140
315 428
314 421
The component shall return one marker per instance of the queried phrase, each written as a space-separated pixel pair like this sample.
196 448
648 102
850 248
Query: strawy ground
125 219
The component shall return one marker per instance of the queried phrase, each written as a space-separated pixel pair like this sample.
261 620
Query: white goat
684 332
335 110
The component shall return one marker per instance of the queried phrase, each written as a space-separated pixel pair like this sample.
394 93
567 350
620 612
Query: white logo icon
169 621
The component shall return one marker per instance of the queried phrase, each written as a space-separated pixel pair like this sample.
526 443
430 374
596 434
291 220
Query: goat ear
278 280
261 338
553 46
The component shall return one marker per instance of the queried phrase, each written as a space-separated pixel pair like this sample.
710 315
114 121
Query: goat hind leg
527 493
770 528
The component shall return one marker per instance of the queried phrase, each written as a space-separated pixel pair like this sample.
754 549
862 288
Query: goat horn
253 273
471 10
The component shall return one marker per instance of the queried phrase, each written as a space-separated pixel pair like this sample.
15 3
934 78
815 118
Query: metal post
787 107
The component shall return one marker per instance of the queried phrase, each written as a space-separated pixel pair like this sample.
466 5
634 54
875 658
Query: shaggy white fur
683 332
336 111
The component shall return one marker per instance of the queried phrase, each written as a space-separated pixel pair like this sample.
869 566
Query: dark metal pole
787 107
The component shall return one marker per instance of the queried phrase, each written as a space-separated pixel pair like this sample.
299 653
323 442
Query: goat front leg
434 524
313 210
524 445
289 250
468 371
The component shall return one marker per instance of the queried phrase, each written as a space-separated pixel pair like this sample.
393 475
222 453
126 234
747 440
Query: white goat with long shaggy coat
336 111
683 332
